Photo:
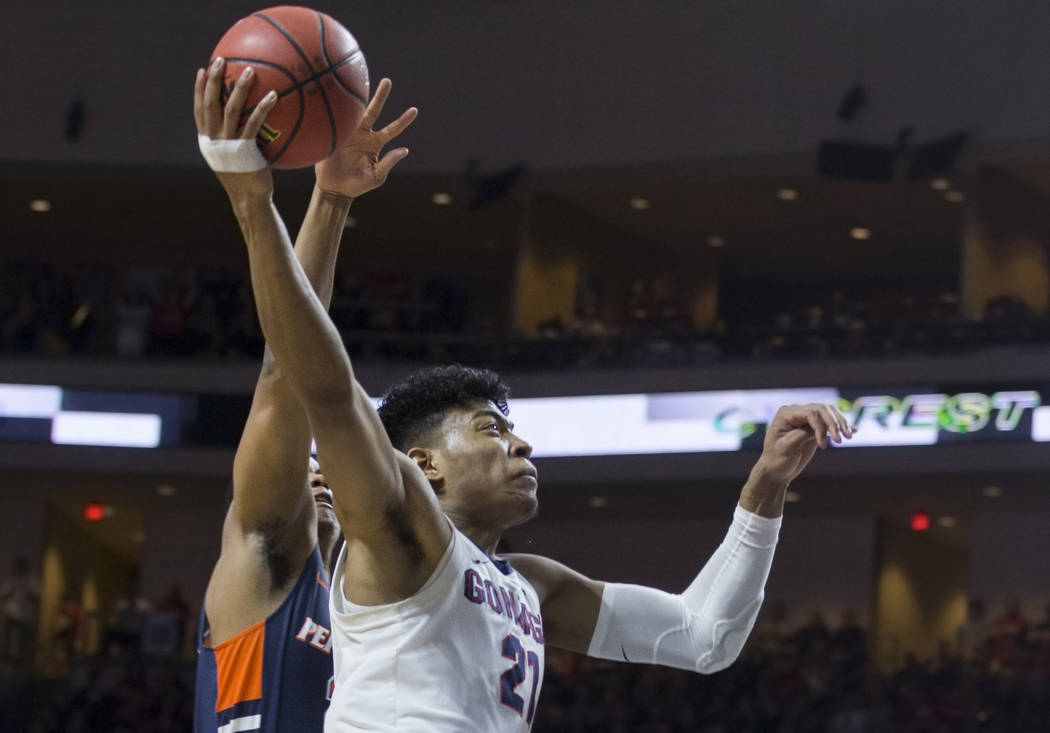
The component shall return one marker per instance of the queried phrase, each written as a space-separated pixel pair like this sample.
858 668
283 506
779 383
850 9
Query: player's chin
326 518
526 505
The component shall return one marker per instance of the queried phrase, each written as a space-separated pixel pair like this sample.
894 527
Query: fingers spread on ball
398 126
231 118
388 161
212 99
198 101
375 105
258 115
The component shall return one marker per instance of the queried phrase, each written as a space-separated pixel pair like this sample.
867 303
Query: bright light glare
122 430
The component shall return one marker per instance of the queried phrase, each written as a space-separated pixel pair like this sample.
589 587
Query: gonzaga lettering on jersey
464 654
273 676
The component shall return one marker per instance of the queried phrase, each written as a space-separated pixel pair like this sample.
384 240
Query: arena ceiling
173 213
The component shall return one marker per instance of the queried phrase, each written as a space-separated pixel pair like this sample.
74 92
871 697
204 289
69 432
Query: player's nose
520 448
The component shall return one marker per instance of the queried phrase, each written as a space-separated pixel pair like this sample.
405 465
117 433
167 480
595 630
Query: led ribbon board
596 425
700 422
45 413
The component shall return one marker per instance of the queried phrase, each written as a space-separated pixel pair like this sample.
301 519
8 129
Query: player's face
486 468
322 497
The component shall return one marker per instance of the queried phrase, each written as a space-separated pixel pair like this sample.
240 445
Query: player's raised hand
794 435
218 122
357 167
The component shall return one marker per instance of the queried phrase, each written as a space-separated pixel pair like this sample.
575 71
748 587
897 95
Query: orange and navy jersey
275 675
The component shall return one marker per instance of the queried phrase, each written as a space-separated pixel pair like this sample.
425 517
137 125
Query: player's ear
425 459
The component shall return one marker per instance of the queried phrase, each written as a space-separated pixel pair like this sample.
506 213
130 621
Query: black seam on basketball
317 77
295 128
296 87
324 55
343 62
297 84
310 66
272 65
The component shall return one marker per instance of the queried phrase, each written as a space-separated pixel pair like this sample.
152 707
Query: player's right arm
389 515
271 527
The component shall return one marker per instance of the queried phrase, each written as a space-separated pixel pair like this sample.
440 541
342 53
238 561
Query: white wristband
231 156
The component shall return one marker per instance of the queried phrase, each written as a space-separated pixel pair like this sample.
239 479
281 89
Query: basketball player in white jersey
433 632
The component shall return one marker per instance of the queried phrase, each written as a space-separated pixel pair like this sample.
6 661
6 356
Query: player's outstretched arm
705 627
271 525
359 462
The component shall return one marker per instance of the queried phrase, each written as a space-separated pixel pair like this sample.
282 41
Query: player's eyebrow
502 420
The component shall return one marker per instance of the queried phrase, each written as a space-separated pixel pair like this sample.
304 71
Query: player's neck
328 542
487 538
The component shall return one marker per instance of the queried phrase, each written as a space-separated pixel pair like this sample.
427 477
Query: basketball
318 71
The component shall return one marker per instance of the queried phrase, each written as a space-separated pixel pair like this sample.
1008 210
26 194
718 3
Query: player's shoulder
544 574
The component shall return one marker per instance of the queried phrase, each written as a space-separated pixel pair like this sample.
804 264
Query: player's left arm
703 628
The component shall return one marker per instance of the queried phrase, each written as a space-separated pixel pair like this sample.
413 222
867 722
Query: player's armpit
390 560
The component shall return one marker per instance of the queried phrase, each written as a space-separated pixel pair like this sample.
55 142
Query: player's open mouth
324 498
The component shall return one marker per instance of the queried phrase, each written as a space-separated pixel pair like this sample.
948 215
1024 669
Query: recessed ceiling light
40 206
792 497
598 502
166 490
940 184
441 198
716 241
639 204
860 233
992 492
787 194
955 197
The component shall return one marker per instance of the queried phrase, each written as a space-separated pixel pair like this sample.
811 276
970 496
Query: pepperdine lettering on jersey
317 635
502 601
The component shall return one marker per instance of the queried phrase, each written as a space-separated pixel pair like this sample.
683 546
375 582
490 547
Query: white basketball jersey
465 653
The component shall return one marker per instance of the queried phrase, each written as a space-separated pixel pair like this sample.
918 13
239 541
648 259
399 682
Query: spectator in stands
134 314
65 632
123 634
1007 636
1039 634
972 634
171 320
813 636
19 596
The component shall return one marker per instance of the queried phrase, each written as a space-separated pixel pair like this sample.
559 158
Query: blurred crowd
994 677
208 312
814 676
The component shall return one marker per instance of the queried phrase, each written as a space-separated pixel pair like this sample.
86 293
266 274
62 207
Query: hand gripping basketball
225 148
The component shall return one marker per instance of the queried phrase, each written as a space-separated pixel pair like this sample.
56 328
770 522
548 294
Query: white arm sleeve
705 627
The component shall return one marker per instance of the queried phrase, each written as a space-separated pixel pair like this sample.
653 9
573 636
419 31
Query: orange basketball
318 71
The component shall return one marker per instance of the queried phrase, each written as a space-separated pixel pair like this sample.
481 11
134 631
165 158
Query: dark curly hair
416 407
